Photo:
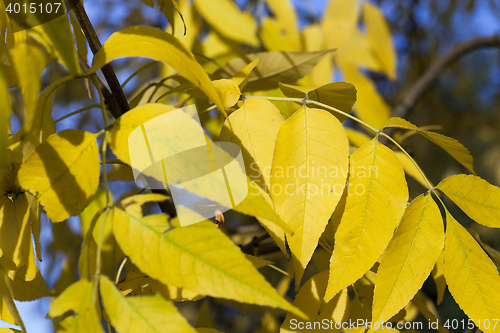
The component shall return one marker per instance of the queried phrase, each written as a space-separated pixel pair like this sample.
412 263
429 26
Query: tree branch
430 75
95 46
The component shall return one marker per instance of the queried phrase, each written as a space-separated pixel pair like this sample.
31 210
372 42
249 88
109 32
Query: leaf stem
88 107
137 72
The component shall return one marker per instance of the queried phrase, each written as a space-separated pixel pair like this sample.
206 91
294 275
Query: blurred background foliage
464 103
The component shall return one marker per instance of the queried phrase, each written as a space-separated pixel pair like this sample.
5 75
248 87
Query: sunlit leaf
410 168
450 145
494 254
339 21
77 298
8 307
308 177
273 67
475 196
203 249
139 41
469 271
140 314
340 95
273 40
63 173
225 17
438 276
4 120
228 90
375 204
409 258
286 17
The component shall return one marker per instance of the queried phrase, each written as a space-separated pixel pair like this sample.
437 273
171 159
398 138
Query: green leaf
475 196
340 95
376 202
78 298
225 17
203 250
62 173
141 314
450 145
273 67
309 172
409 258
139 41
469 271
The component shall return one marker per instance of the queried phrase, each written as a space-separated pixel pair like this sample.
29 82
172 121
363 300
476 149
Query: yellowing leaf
438 276
141 314
379 35
123 126
310 299
62 173
4 120
450 145
376 202
153 43
475 196
356 138
409 258
78 298
469 271
273 67
254 129
174 293
410 168
226 19
308 177
203 250
31 290
340 95
370 106
314 40
135 202
273 40
241 78
494 254
13 221
339 21
228 90
8 307
57 38
257 262
286 18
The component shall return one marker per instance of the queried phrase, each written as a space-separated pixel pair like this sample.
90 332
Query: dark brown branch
430 75
95 46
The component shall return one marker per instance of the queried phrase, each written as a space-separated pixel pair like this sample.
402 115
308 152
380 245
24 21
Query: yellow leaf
409 258
63 173
273 40
121 128
9 309
228 20
57 38
376 202
228 90
308 177
339 21
314 40
450 145
241 78
134 202
286 18
310 299
31 290
410 168
207 330
469 271
13 221
494 254
4 120
78 298
379 35
141 314
273 67
204 251
370 106
356 138
475 196
340 95
254 129
438 276
139 41
174 293
258 262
